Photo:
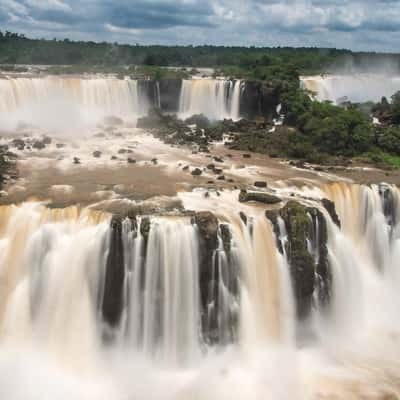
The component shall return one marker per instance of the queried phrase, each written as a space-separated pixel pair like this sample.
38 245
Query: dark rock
310 271
114 158
77 160
210 166
243 217
115 275
199 120
122 151
154 161
185 168
39 145
330 207
217 171
97 154
246 155
260 197
221 177
260 184
196 172
19 144
169 91
46 140
208 226
259 98
131 160
145 226
226 236
60 145
218 159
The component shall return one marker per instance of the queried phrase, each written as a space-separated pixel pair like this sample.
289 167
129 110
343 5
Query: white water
52 269
355 88
61 103
215 98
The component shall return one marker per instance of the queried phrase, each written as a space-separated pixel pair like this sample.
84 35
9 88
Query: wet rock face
216 266
115 275
319 242
259 99
389 204
330 207
170 90
207 223
307 253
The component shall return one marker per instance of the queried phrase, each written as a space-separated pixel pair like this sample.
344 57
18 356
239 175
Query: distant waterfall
216 99
61 102
355 88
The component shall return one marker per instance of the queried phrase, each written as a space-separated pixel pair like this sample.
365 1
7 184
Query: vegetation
244 61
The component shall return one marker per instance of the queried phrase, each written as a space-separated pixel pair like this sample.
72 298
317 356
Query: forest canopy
18 49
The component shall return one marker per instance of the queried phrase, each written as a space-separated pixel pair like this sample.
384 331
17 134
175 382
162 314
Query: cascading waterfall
355 88
191 295
215 98
63 103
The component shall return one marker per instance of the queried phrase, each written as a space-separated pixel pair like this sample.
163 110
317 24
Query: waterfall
215 98
63 102
355 88
197 306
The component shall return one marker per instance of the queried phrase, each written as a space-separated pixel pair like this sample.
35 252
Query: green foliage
395 108
259 62
388 139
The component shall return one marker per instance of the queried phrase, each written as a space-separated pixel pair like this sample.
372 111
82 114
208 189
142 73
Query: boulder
200 120
39 145
196 172
260 184
46 140
260 197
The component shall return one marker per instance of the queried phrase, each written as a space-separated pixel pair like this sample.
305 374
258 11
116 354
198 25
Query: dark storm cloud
366 24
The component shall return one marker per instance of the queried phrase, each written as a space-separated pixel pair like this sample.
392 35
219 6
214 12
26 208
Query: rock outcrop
260 197
307 253
259 99
115 274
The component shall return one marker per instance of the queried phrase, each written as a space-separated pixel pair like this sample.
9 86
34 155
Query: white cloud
367 24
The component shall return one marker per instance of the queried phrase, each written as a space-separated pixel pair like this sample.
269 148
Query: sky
353 24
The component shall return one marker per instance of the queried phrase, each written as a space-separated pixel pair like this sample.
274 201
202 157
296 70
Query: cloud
367 24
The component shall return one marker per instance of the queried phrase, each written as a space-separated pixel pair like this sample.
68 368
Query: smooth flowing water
355 88
65 103
195 324
217 99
